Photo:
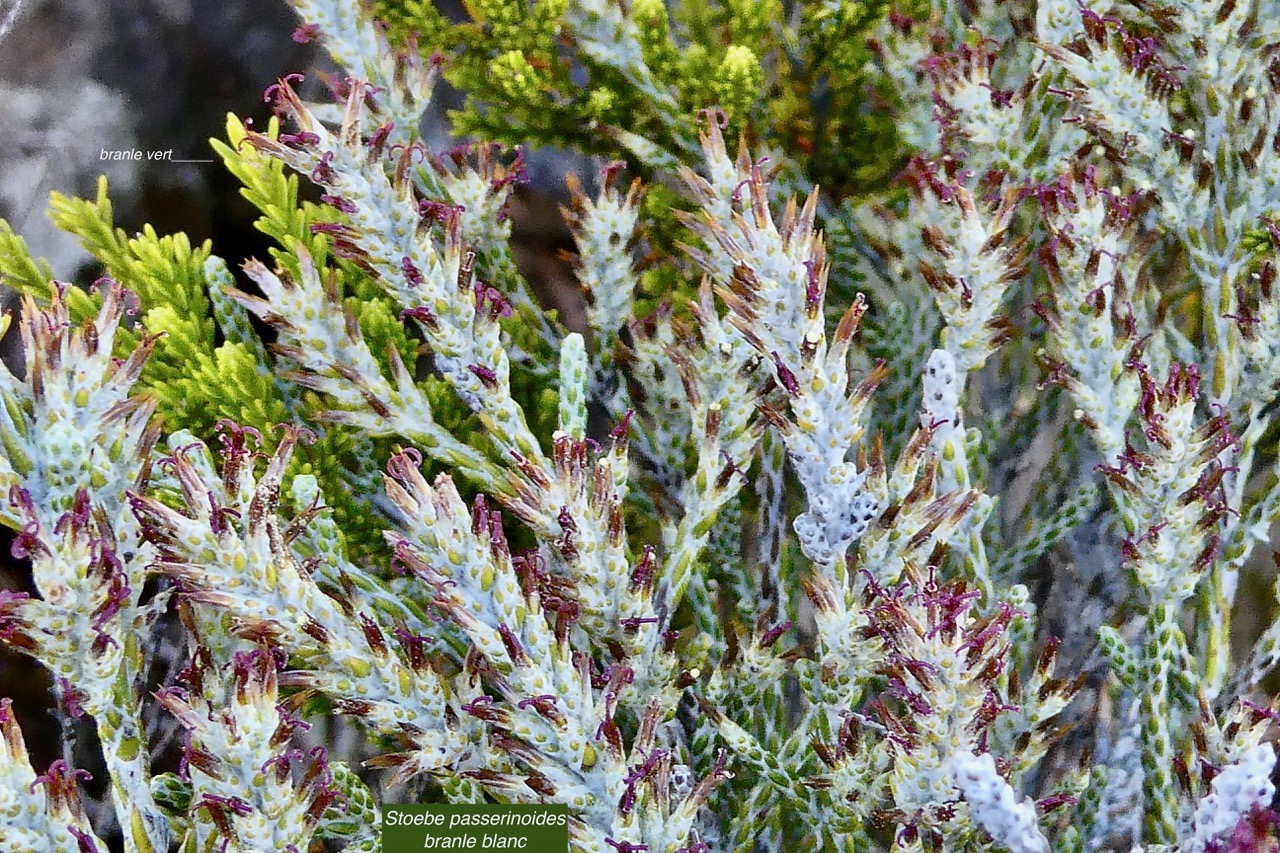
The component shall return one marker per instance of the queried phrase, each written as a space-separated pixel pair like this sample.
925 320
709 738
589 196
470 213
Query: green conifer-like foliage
799 79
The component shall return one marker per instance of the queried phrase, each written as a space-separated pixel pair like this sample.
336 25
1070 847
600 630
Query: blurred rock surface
78 77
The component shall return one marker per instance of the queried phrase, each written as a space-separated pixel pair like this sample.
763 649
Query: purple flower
305 33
